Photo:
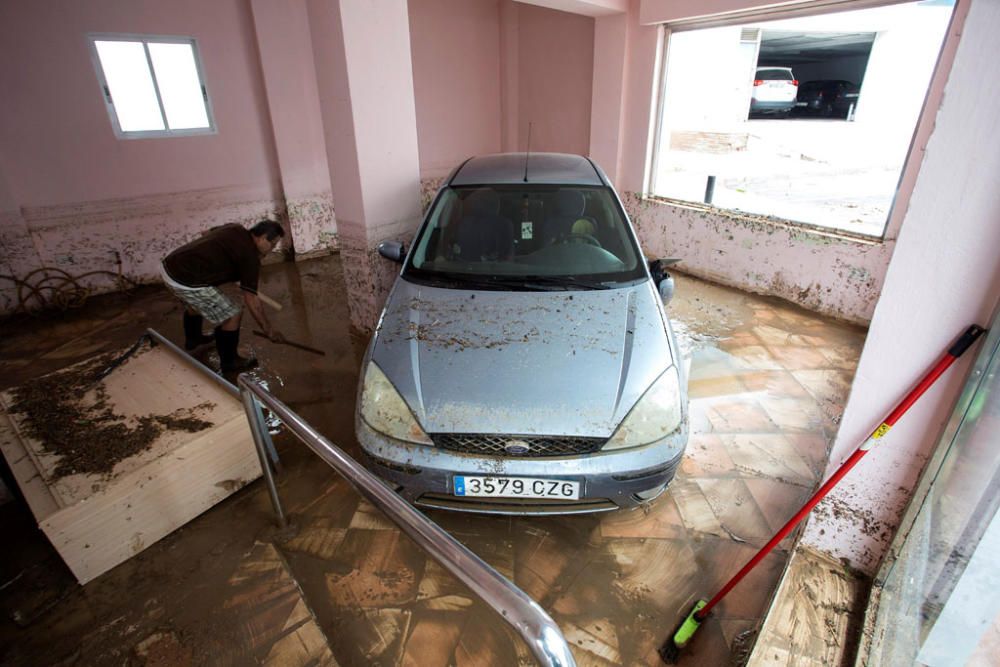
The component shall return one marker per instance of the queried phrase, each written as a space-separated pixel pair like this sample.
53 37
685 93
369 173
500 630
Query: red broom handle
956 350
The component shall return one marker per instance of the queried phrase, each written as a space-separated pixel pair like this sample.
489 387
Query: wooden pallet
98 521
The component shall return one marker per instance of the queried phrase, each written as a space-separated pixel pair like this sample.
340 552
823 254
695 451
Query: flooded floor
768 385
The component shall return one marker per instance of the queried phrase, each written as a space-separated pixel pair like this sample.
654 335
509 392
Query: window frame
146 40
776 13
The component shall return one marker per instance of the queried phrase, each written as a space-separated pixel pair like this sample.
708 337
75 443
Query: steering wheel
585 238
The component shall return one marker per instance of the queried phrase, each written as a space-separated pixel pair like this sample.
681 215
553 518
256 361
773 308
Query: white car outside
774 90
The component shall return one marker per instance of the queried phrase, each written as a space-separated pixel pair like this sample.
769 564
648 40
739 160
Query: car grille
513 446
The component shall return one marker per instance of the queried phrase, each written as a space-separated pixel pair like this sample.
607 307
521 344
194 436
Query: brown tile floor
768 382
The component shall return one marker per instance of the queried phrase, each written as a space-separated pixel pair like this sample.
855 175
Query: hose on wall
49 288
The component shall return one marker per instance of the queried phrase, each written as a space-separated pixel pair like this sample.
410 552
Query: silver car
524 363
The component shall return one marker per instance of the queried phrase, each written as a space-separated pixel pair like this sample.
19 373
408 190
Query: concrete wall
944 275
834 275
455 48
284 47
59 147
482 70
555 79
824 272
75 193
944 272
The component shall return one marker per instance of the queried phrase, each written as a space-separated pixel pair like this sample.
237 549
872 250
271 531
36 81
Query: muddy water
768 382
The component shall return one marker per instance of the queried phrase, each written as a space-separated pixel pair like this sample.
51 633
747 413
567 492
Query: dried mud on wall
825 272
140 231
313 222
369 276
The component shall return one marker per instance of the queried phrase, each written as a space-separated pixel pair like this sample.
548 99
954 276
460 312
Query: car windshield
541 237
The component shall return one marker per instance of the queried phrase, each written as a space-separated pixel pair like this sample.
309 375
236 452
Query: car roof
547 168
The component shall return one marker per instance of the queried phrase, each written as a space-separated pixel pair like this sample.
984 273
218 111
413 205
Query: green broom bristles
680 638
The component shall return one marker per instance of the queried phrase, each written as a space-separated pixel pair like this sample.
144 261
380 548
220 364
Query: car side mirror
663 280
393 250
666 288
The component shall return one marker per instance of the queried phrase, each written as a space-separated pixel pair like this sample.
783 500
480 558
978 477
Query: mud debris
70 416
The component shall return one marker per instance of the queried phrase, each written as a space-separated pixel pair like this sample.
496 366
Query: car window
511 232
774 75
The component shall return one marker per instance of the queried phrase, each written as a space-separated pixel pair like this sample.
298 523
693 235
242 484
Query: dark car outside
829 98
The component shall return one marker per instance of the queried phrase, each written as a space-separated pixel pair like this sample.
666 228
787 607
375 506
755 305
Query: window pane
127 74
180 87
806 119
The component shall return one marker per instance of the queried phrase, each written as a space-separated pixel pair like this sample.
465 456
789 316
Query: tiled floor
768 383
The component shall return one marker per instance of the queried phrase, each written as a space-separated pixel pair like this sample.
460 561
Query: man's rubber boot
193 337
227 342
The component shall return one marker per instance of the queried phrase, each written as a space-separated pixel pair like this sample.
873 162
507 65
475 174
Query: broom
670 649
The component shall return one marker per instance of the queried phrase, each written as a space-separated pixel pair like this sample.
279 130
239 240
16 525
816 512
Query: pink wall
58 144
364 69
284 45
555 79
77 193
483 69
455 47
609 81
833 275
944 276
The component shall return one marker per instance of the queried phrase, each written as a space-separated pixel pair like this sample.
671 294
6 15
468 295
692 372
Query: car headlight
384 409
655 416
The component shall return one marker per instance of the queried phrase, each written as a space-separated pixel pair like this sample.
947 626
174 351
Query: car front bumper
424 475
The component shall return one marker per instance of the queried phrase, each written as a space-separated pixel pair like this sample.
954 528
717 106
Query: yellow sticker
881 430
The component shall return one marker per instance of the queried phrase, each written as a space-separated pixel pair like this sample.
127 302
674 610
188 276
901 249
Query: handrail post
226 385
260 436
265 435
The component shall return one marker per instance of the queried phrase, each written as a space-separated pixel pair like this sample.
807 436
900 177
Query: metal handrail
535 626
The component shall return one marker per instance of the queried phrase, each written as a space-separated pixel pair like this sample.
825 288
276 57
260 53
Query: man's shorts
210 302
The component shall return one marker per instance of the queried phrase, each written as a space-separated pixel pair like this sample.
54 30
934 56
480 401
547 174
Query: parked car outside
774 91
826 97
524 362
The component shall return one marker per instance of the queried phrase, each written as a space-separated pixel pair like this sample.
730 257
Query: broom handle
956 350
269 301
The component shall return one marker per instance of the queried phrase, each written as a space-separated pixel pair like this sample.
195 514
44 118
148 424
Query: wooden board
98 521
40 498
814 617
153 382
124 518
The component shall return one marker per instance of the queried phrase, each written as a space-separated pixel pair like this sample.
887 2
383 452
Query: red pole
956 350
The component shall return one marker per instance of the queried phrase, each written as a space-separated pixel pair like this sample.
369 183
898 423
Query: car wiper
557 281
453 280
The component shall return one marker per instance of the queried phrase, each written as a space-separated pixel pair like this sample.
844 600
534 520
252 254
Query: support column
608 99
509 63
286 59
363 66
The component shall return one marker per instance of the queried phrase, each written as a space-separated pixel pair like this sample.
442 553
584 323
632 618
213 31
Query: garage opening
809 74
805 120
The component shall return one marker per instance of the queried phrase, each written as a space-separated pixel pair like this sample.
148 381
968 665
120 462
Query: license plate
516 487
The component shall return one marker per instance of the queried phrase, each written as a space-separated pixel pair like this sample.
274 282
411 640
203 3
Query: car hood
528 363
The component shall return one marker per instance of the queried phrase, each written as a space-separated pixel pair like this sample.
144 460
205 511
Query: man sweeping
193 272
